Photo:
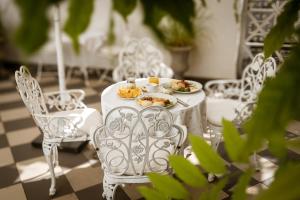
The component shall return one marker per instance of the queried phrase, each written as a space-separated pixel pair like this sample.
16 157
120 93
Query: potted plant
179 41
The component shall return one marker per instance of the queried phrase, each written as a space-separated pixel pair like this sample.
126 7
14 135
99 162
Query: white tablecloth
193 117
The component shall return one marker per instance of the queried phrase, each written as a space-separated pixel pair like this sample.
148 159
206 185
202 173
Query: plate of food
183 86
131 92
156 99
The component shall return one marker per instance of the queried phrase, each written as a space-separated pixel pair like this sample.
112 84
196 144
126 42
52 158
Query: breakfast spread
156 94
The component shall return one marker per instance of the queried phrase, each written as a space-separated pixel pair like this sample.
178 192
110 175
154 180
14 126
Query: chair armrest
68 100
59 126
223 88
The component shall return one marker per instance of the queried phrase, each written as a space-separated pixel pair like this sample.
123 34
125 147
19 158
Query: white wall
217 50
214 56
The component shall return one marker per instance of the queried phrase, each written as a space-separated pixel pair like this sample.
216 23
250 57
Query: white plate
198 87
172 99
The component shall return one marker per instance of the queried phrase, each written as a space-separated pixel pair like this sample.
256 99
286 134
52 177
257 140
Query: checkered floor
24 172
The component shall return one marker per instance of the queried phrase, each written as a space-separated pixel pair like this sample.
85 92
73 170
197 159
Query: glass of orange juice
153 80
153 83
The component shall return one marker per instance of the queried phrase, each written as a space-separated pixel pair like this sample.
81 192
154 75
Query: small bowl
152 87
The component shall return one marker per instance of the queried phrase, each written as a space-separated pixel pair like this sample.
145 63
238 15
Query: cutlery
182 102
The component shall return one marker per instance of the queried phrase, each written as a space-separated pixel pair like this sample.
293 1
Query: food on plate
154 101
165 89
129 92
183 86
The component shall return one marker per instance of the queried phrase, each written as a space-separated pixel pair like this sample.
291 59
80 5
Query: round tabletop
193 116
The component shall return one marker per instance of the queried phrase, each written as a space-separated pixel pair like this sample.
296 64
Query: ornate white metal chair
132 143
139 59
92 57
235 99
72 122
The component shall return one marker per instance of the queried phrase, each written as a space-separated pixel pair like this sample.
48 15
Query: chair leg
254 162
98 72
187 152
85 76
210 177
50 153
108 189
215 139
39 71
69 73
104 75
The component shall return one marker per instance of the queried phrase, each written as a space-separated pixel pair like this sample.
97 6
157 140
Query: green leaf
33 30
233 141
283 29
236 11
239 190
174 34
168 186
151 194
55 1
285 185
80 12
209 159
278 104
111 38
153 15
124 7
181 11
277 143
214 192
187 172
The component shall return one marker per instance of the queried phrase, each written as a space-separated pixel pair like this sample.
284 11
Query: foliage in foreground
35 22
278 104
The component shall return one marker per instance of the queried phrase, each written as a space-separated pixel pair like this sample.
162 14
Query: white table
193 117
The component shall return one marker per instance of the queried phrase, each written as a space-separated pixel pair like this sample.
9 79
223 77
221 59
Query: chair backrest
30 92
140 59
133 142
254 76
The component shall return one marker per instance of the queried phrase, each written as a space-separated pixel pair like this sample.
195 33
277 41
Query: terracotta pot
180 57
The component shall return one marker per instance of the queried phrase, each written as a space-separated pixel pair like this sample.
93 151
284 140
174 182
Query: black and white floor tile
24 172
